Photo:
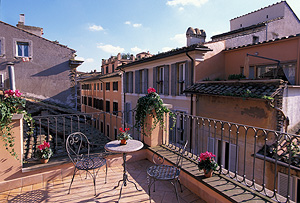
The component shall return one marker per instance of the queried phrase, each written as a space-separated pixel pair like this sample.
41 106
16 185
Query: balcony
253 174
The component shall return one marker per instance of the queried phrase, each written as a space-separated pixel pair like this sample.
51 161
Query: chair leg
149 187
180 185
175 186
94 180
72 180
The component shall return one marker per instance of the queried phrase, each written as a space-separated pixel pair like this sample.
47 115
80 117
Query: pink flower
206 155
46 144
18 93
150 90
41 147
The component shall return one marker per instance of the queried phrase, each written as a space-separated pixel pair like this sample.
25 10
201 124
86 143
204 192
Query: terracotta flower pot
43 161
123 142
208 174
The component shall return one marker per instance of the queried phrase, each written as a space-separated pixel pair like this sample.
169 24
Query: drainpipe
124 97
11 72
192 82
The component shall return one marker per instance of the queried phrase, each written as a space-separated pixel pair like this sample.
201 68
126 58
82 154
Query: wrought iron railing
265 160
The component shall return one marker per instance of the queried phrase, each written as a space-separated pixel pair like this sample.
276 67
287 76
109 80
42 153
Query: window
101 104
116 133
101 86
106 69
128 82
128 113
84 100
97 86
160 80
101 127
23 49
107 131
108 86
267 71
180 125
107 106
113 68
181 78
141 81
2 46
90 101
115 86
289 71
255 39
94 86
1 80
95 103
226 153
115 108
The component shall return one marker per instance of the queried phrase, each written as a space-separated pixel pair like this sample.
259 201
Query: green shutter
166 80
173 79
155 77
137 81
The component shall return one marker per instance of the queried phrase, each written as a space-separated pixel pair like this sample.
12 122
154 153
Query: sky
98 29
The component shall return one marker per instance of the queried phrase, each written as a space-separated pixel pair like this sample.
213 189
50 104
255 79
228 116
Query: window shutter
166 80
1 81
188 73
283 186
124 82
173 79
233 158
145 81
155 77
128 113
137 81
130 82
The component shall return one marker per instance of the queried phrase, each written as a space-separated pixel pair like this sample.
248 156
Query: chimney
195 36
32 29
22 19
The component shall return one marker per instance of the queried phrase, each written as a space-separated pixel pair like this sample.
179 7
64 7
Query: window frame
107 86
181 77
160 80
115 86
30 47
2 46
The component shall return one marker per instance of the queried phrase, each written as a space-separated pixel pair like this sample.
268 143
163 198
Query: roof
261 9
243 29
264 42
101 77
194 47
54 42
240 88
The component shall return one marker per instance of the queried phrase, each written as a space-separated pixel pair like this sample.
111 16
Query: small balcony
254 162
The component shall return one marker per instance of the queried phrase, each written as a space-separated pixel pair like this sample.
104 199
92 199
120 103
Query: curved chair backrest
78 146
180 156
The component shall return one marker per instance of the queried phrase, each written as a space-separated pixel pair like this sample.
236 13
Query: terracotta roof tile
243 88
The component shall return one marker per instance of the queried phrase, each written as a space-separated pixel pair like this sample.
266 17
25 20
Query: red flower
126 129
121 129
18 93
206 155
46 144
150 90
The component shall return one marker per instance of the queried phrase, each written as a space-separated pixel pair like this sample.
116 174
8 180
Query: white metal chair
78 149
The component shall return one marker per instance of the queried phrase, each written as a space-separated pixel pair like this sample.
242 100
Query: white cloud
96 28
136 49
137 25
216 33
111 49
181 9
89 60
197 3
180 39
165 49
133 24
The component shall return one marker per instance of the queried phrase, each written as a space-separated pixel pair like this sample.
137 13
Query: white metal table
131 146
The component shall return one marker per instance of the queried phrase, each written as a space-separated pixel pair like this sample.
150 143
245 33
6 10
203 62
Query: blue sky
97 29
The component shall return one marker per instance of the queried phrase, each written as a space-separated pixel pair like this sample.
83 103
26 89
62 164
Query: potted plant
124 135
207 163
151 105
11 103
44 152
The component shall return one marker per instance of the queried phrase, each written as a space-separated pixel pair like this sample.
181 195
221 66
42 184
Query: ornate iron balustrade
265 160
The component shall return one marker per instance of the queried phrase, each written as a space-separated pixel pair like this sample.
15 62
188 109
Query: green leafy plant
12 103
206 161
236 76
151 105
44 151
124 135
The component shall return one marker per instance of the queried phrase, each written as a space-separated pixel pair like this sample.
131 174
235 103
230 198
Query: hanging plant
151 105
12 103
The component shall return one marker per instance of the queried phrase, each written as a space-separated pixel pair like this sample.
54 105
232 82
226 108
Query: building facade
44 70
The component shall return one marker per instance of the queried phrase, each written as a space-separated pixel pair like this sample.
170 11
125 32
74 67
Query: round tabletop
131 146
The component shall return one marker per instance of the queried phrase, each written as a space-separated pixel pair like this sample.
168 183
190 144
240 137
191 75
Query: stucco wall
47 75
291 101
